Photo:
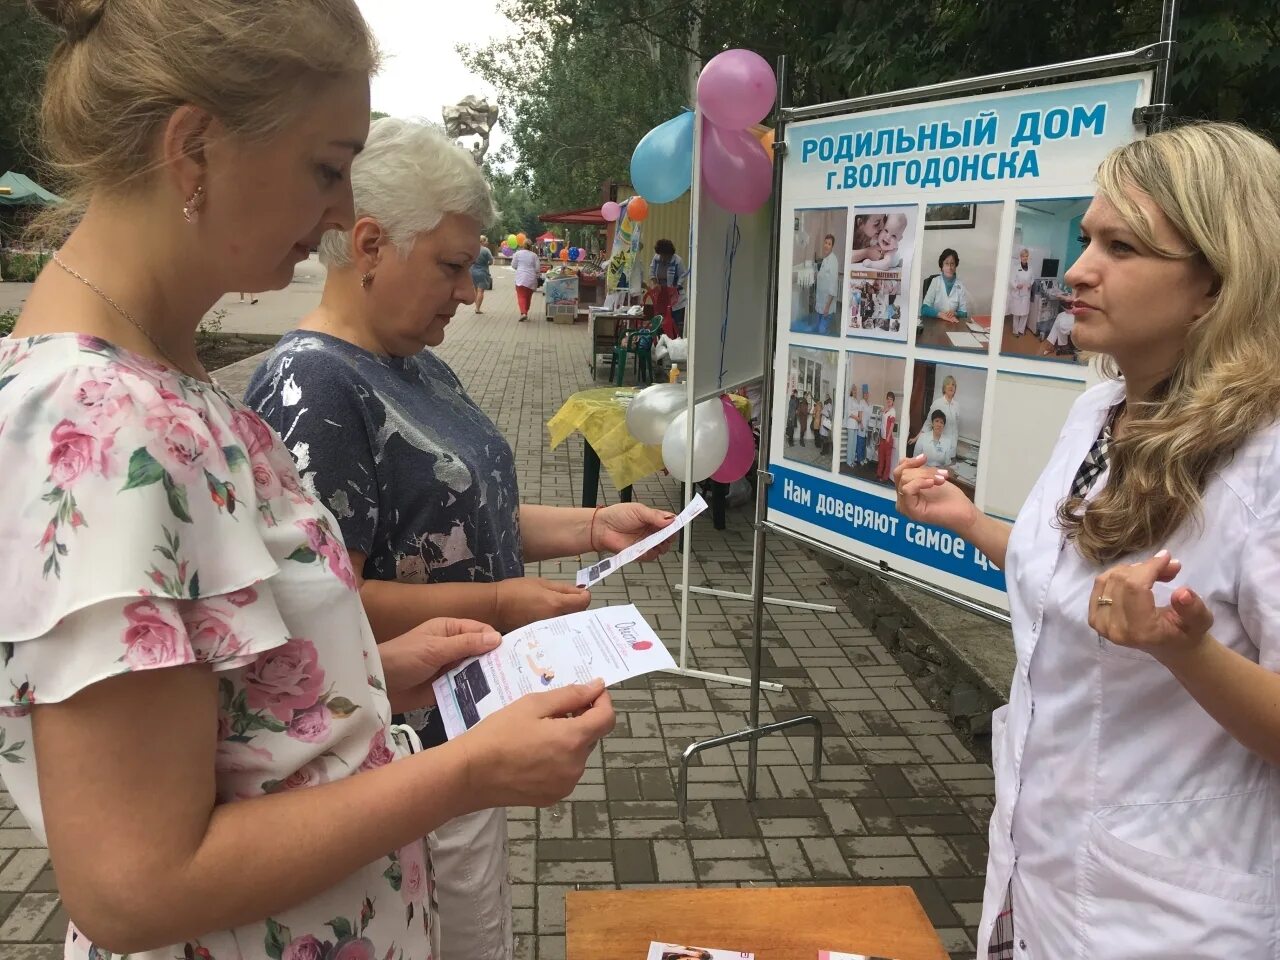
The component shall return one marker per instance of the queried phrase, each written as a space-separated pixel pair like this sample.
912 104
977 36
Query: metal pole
754 731
1160 94
763 477
690 329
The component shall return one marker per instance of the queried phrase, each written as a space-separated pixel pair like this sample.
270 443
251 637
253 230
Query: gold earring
367 280
191 209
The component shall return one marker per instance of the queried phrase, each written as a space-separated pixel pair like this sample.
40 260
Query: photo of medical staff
1046 242
871 418
884 239
958 286
818 270
945 419
810 406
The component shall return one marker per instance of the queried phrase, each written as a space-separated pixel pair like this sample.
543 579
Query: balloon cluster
724 446
736 90
576 254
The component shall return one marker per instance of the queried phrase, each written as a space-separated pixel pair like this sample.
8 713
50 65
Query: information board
922 269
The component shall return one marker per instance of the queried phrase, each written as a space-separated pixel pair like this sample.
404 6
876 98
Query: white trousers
469 856
1020 323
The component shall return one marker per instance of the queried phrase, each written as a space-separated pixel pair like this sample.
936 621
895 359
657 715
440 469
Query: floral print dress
148 520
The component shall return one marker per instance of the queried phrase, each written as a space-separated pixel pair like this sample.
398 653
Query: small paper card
836 955
590 576
613 643
673 951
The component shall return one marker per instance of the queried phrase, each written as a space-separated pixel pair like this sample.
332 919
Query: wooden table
933 332
775 923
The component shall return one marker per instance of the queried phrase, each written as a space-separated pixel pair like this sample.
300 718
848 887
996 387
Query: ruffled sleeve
116 636
121 489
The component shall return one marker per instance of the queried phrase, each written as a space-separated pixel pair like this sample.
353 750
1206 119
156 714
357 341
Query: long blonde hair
1219 185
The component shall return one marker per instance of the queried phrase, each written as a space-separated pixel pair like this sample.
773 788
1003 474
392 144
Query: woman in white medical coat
1138 761
1020 292
946 299
945 402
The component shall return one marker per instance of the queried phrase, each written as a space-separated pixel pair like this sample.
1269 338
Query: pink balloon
736 89
610 211
742 446
735 169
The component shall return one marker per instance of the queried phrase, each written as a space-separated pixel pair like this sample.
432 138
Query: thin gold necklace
128 316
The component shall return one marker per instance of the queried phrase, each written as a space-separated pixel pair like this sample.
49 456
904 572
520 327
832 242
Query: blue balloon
662 164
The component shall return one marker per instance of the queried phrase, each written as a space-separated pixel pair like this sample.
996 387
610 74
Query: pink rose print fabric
149 521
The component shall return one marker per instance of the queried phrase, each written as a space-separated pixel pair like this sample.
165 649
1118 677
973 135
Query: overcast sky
422 71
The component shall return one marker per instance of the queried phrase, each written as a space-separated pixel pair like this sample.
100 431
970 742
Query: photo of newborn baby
879 262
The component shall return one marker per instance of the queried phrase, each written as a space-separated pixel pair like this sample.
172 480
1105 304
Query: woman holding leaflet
1138 762
421 482
173 589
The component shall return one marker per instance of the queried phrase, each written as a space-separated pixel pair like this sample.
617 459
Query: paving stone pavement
901 800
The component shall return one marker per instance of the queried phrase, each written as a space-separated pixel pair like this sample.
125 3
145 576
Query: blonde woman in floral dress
198 715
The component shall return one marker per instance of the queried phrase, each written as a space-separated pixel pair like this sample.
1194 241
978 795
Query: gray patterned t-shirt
419 479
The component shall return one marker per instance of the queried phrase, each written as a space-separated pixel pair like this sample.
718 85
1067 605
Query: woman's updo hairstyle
124 66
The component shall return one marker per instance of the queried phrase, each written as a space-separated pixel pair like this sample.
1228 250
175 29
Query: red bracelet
591 531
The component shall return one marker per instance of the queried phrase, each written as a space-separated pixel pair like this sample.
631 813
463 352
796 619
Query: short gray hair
408 178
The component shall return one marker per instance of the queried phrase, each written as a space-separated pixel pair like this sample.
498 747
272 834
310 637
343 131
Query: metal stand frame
755 731
1155 117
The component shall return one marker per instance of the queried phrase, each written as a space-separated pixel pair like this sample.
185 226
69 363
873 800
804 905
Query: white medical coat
951 429
827 286
1132 826
1019 291
937 453
957 300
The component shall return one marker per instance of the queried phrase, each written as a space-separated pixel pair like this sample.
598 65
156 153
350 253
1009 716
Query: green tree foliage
575 98
585 79
25 44
517 210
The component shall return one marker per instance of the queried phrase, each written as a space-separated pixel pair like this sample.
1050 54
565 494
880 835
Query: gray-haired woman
421 482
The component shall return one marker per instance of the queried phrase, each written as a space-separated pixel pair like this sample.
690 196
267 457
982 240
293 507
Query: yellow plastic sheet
600 415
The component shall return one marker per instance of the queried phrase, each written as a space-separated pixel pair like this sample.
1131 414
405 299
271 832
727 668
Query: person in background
948 405
1020 292
864 424
199 718
935 448
946 299
824 426
853 420
667 273
421 482
252 298
887 449
481 278
802 414
1058 340
793 404
815 422
1137 764
827 286
525 264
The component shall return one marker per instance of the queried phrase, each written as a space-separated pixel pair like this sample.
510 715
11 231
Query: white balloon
652 410
710 441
